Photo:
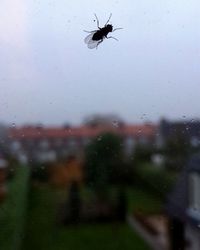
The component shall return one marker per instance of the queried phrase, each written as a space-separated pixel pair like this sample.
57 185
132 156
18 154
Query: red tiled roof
139 130
56 132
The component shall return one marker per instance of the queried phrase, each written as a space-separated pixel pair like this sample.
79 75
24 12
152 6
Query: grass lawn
140 200
13 211
43 232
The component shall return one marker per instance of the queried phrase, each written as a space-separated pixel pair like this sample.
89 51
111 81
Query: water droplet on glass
13 125
99 138
143 116
115 124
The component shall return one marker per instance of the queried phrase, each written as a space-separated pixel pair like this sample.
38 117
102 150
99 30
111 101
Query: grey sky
48 75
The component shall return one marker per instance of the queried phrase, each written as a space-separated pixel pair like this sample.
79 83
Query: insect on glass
97 36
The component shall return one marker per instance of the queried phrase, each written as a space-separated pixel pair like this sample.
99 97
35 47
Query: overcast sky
48 75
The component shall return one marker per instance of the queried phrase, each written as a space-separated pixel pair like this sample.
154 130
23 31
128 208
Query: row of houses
42 144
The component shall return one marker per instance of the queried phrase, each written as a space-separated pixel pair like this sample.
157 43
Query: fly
97 36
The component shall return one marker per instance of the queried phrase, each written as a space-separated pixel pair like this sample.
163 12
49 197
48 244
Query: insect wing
91 43
89 37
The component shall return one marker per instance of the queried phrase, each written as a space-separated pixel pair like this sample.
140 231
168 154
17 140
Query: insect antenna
87 31
108 19
97 20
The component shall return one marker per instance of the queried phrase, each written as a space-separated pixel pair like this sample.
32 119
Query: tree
176 150
74 203
104 160
103 121
121 205
142 154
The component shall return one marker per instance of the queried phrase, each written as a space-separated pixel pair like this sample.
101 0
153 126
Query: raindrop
115 124
143 116
99 138
13 125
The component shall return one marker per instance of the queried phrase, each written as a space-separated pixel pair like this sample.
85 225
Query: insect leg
97 20
112 38
117 29
108 19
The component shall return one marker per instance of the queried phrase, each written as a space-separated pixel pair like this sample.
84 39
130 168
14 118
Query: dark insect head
109 27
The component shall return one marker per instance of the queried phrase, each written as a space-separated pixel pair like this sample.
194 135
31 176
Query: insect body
97 36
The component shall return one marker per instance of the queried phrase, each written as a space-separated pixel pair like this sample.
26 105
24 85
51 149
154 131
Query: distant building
189 131
183 208
48 144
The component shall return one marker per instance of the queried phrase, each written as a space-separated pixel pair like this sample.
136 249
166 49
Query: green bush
156 180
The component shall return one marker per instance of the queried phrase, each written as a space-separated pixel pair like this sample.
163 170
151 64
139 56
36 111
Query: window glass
99 124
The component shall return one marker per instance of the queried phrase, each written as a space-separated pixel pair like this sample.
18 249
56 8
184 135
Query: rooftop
83 131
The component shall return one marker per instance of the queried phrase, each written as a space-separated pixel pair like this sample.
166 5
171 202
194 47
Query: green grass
141 201
43 232
13 211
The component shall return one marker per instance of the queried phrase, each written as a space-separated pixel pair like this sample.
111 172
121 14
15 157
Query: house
188 131
183 208
49 144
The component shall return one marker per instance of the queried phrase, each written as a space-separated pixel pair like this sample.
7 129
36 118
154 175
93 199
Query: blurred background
99 149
